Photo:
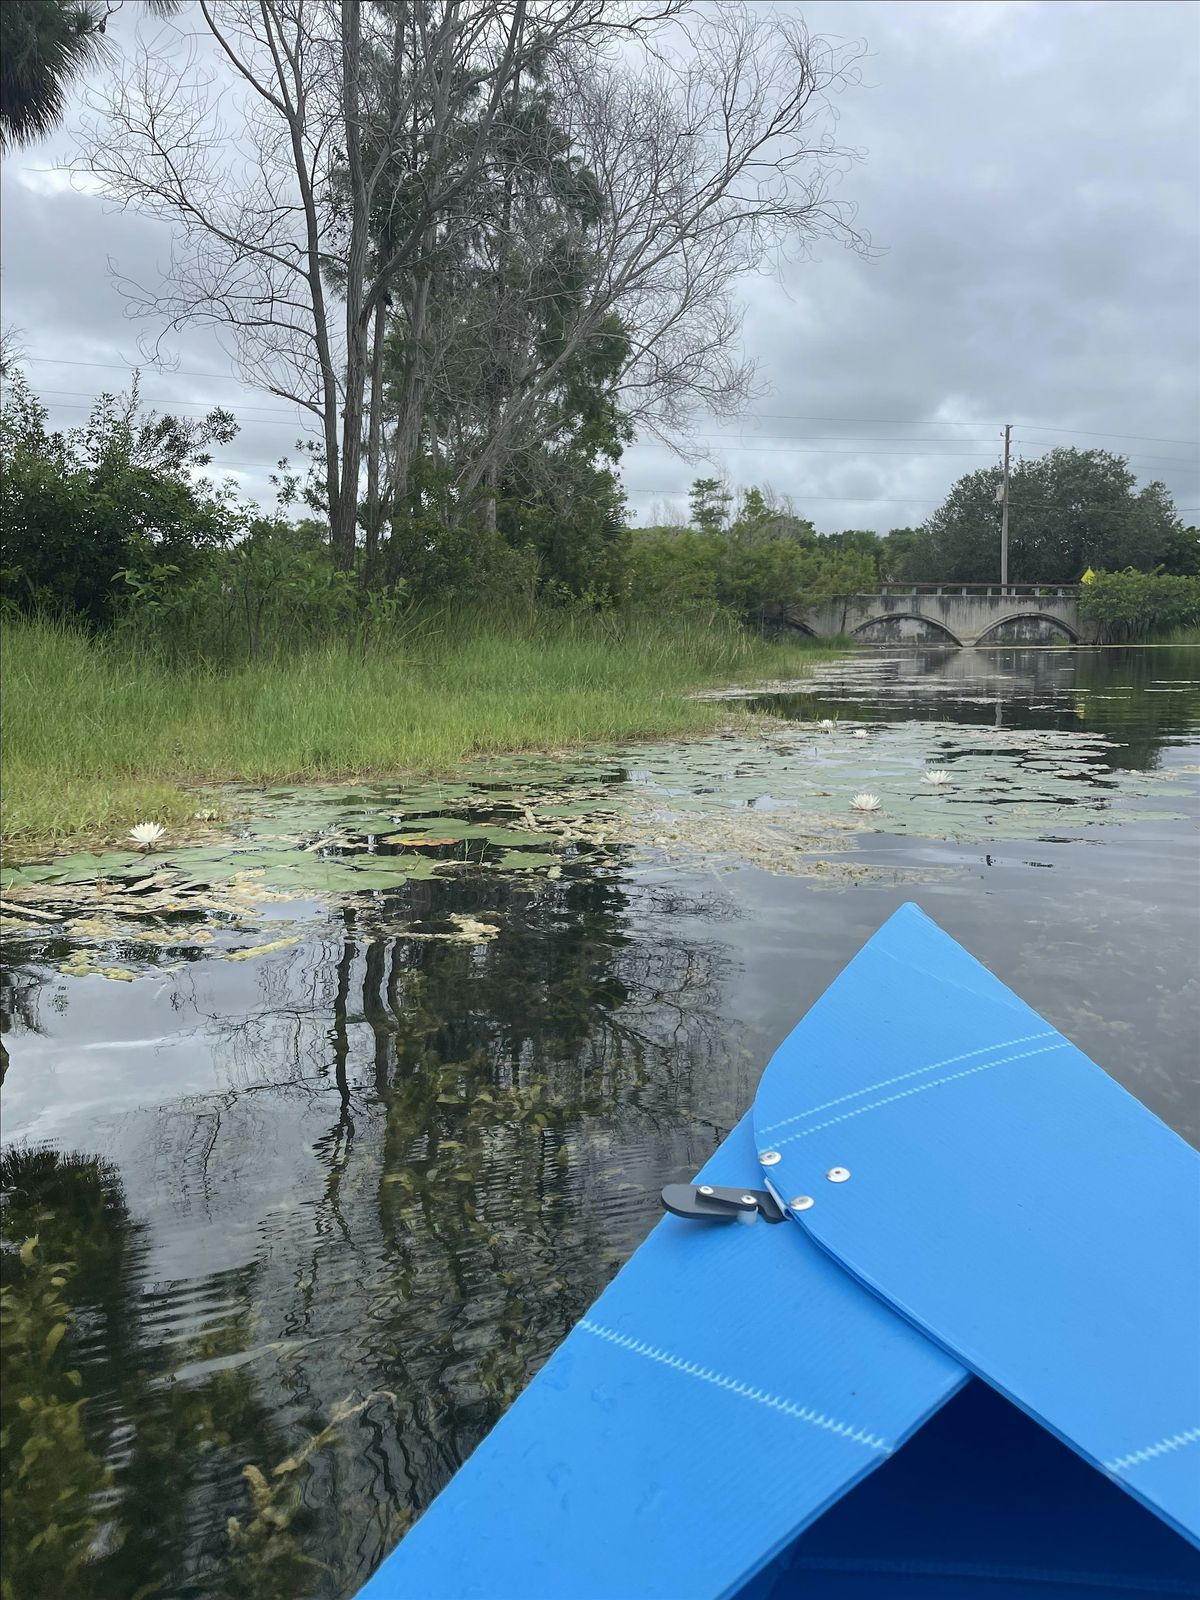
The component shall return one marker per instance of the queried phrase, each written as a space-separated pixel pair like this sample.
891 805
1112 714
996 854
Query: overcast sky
1031 178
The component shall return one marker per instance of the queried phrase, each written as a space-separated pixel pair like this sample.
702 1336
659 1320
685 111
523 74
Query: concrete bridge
950 614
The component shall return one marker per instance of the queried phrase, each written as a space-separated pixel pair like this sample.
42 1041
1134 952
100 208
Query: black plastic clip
705 1202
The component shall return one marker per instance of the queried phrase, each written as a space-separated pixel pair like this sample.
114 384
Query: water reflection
412 1166
1145 698
337 1203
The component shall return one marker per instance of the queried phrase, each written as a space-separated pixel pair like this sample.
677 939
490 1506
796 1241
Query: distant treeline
119 524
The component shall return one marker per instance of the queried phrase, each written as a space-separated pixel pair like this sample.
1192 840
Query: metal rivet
802 1202
768 1158
749 1200
838 1174
706 1188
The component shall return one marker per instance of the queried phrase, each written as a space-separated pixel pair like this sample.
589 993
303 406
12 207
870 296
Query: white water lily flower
827 724
937 776
859 733
866 802
144 834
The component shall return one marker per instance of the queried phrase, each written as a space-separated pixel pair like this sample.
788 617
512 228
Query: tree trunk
344 524
374 517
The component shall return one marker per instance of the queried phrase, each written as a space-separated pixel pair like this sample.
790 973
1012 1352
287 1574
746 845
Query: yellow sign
1088 577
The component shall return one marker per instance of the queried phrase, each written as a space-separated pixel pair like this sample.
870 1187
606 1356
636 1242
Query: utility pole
1004 511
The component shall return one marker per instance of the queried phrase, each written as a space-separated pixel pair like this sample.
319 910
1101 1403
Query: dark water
306 1224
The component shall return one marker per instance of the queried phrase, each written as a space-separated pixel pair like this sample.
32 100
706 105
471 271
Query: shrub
1131 605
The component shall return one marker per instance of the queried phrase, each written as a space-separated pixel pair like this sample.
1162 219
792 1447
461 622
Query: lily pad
524 861
422 841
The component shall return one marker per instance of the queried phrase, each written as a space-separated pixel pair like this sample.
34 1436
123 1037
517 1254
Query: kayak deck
965 1364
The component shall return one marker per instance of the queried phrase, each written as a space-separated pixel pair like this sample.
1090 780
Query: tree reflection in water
426 1159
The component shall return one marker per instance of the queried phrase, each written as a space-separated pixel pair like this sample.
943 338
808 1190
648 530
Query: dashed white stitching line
692 1369
920 1089
886 1083
1162 1448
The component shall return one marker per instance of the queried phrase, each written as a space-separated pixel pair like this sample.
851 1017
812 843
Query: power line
259 422
1095 433
950 422
265 419
134 366
928 499
965 455
850 455
768 416
842 438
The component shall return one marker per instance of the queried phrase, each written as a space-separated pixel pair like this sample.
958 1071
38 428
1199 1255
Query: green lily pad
337 876
524 861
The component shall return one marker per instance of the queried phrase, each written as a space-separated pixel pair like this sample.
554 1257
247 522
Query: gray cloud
1032 181
1032 177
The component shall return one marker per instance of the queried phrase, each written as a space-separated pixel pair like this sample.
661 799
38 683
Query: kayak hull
914 1384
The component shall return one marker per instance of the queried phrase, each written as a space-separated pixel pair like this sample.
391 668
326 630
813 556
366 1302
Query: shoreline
99 737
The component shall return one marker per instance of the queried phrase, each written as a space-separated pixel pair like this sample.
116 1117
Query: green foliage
1068 510
1181 554
755 580
895 558
458 563
100 734
1133 605
861 542
108 1448
79 508
520 391
44 44
758 519
273 592
710 501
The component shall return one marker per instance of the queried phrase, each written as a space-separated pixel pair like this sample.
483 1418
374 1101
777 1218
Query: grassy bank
98 734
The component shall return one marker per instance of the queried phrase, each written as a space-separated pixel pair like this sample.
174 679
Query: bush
273 592
79 508
1132 605
756 580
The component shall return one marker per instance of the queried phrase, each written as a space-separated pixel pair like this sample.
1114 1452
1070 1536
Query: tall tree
709 500
392 157
1068 510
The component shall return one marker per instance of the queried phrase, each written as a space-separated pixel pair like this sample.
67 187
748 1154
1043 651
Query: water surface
307 1221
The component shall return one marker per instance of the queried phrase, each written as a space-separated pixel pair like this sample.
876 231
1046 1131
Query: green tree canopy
44 44
1068 510
78 508
710 501
759 517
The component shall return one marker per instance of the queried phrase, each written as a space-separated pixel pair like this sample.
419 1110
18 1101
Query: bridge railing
985 591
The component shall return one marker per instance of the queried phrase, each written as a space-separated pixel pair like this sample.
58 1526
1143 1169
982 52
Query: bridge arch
880 630
1039 622
788 621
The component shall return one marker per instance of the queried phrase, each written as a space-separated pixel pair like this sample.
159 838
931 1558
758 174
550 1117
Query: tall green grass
99 734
